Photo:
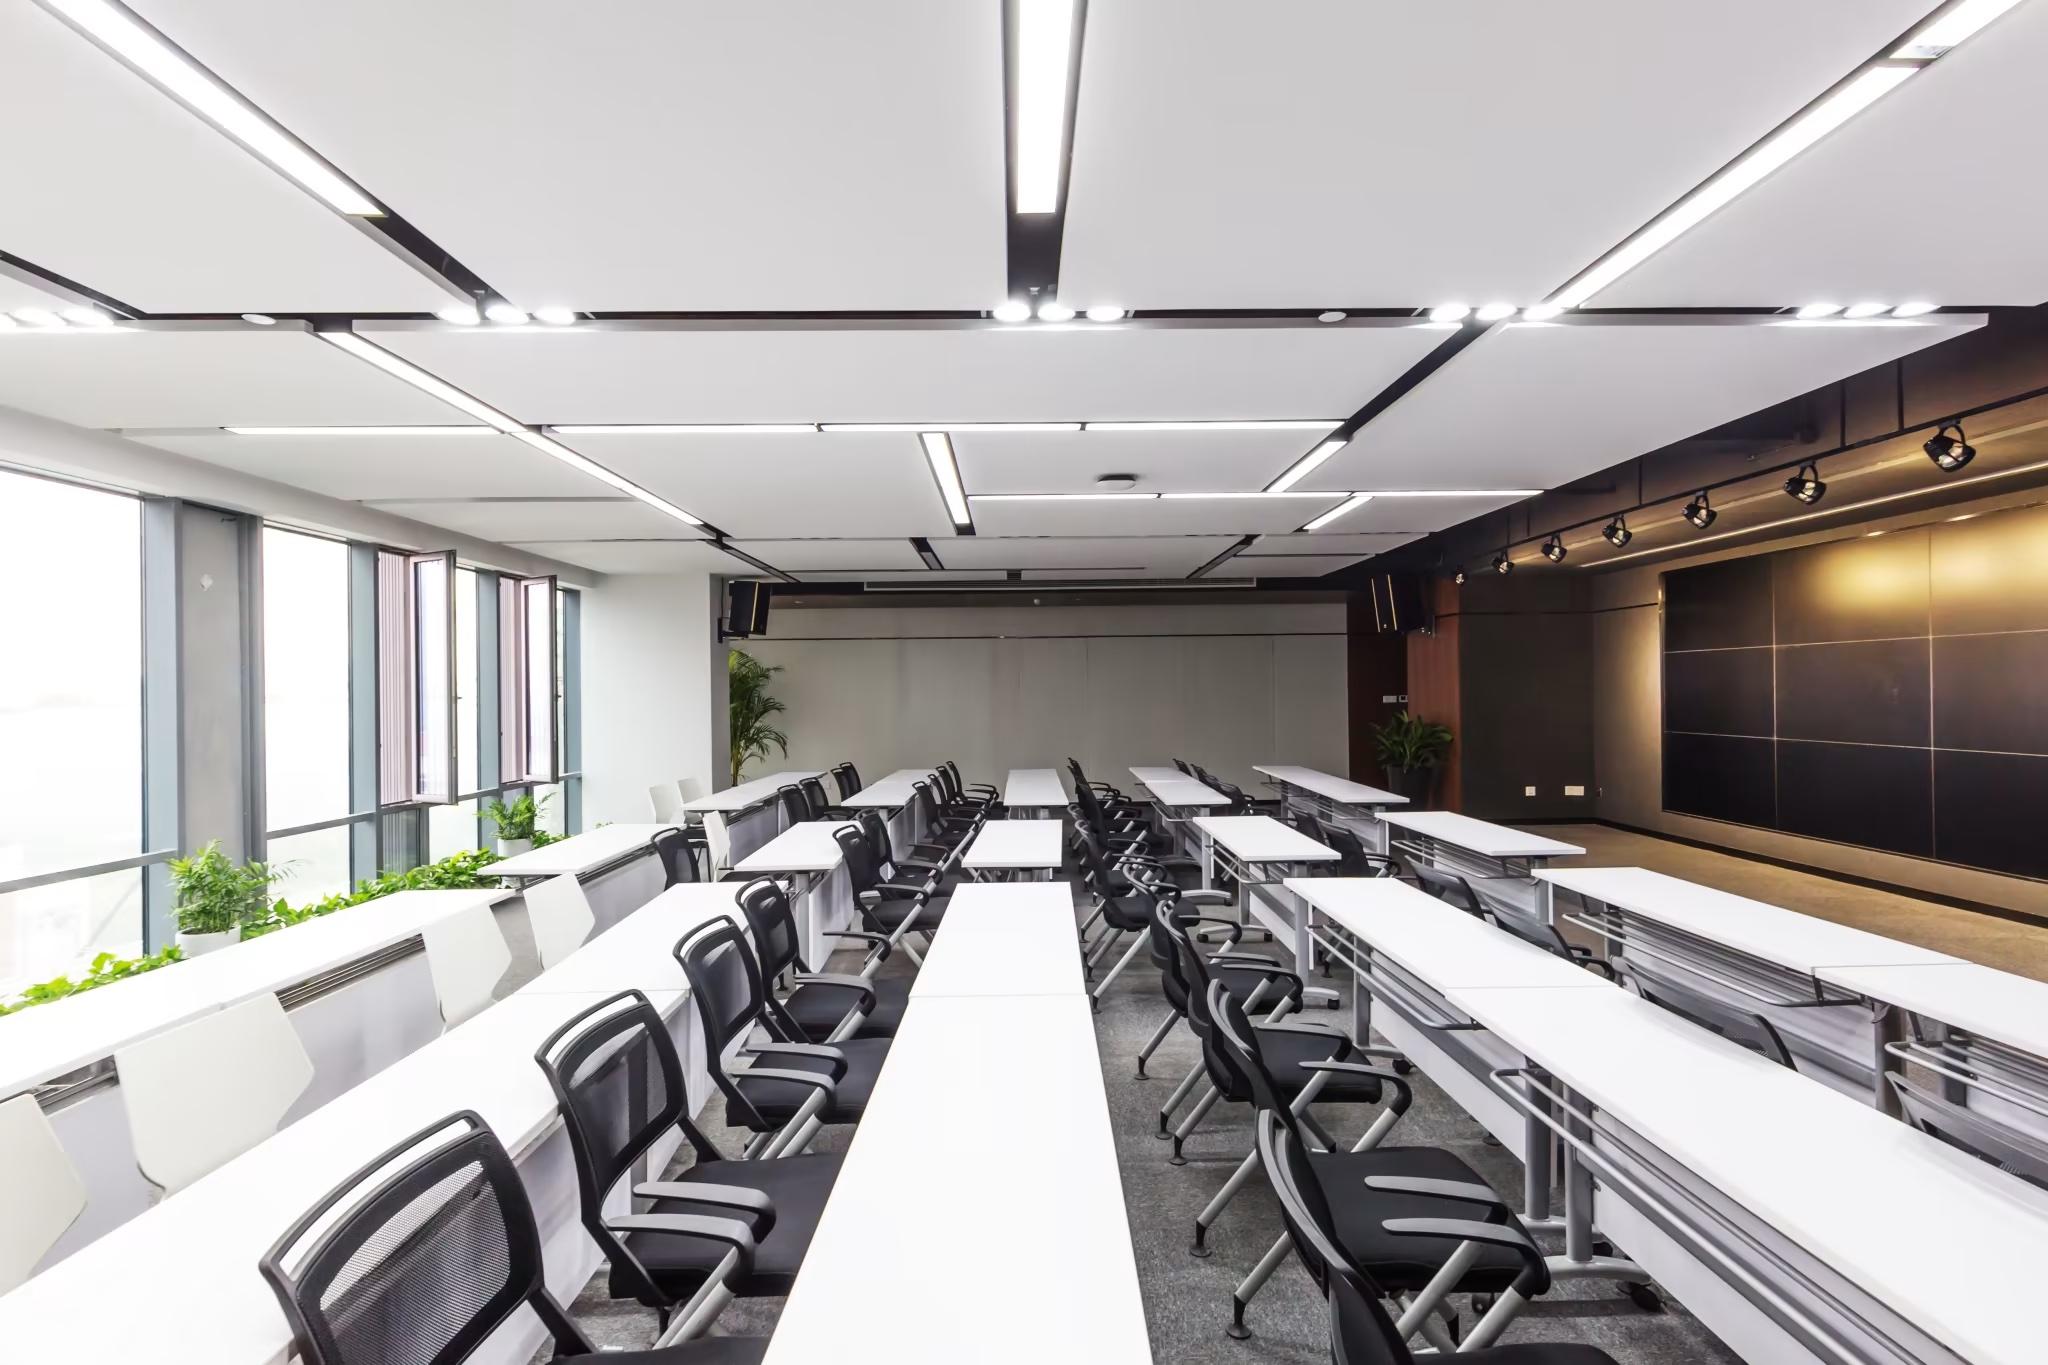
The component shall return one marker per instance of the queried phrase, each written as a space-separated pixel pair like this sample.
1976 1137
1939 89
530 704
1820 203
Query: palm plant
751 707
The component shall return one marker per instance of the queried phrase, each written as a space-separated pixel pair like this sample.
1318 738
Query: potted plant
751 706
1411 750
216 897
516 822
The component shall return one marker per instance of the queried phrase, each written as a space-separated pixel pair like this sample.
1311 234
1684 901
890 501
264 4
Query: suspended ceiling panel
1924 196
1330 542
1147 516
1173 556
1281 566
923 577
821 484
114 185
548 520
642 556
654 155
849 555
1536 406
993 374
1409 518
1164 461
364 468
1319 153
17 293
215 377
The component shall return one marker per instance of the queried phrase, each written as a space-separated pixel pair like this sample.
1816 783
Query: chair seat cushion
1406 1263
1530 1353
797 1186
778 1101
1284 1051
702 1351
891 913
819 1009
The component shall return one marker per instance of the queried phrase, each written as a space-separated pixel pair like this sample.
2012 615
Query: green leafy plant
1405 744
541 838
105 969
517 819
750 709
217 895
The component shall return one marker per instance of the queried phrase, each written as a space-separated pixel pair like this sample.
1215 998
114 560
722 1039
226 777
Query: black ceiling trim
31 273
1229 552
1034 240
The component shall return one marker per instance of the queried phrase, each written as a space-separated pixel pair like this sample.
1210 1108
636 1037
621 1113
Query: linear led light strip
118 30
938 452
439 388
1045 46
1851 97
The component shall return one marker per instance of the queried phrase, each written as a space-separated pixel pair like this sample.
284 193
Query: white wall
1000 687
653 690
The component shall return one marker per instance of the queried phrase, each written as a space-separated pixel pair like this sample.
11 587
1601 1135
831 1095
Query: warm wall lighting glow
1045 45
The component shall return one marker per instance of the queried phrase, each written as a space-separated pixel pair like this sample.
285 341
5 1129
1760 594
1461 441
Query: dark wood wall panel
1857 794
1991 692
1869 692
1720 777
1868 588
1990 810
1718 606
1718 692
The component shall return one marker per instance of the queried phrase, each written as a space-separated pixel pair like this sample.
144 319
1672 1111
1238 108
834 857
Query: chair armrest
1404 1094
723 1196
1236 930
814 1050
816 1079
1463 1190
840 980
1534 1277
729 1231
1302 1026
1207 898
878 942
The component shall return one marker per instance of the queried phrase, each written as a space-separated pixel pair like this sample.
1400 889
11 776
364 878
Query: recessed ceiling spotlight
1865 310
1332 315
1494 312
37 317
1700 512
1106 312
505 315
556 317
1011 310
1116 483
1806 485
1617 532
1949 453
1817 310
1052 310
1450 312
85 316
461 314
1553 548
259 319
1914 310
1502 564
1541 312
1459 578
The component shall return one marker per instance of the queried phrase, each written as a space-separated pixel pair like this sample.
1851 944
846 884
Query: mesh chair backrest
875 829
678 859
851 780
1303 1206
814 792
1361 1333
774 924
435 1251
1447 887
1182 764
949 788
1352 858
725 984
860 857
795 807
2005 1147
1230 1036
1746 1028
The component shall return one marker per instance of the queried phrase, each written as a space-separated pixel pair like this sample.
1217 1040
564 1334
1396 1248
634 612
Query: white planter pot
509 847
194 945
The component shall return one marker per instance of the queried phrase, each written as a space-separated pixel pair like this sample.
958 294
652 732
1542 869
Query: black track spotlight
1553 549
1949 453
1459 578
1617 532
1806 485
1700 512
1502 564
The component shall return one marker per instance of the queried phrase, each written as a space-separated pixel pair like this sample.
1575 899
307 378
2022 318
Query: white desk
1442 945
1495 859
890 792
1009 939
1254 846
1015 846
748 794
1340 791
1948 1244
809 854
1172 787
1982 1001
1034 792
1006 1243
638 953
804 847
579 855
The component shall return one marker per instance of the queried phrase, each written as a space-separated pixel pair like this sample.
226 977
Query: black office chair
1546 936
1448 887
821 1005
1123 906
1253 977
619 1084
807 1084
678 853
796 807
821 804
423 1253
1354 859
1745 1028
848 778
890 907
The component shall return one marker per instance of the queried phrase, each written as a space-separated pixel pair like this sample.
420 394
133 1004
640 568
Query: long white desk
748 794
1015 846
808 852
1034 793
579 855
890 792
1005 939
1002 1243
1259 852
1497 860
751 814
1336 799
1173 793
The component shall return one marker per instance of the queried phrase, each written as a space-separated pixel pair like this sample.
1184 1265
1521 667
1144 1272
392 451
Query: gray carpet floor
1187 1300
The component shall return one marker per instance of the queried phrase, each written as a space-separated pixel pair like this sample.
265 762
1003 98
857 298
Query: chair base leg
1181 1092
1241 1297
1191 1122
1158 1037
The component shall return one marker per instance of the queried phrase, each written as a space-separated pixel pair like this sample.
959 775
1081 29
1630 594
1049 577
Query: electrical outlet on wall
1574 789
1528 791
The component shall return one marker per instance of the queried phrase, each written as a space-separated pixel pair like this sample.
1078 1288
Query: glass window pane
540 699
466 682
434 682
305 678
71 683
553 812
314 864
451 830
51 930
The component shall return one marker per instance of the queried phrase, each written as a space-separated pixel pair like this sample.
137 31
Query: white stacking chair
717 845
667 800
204 1092
689 788
561 917
41 1191
468 956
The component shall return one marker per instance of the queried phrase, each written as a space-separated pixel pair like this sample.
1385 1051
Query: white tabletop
1949 1241
638 953
804 847
749 793
1262 839
1015 844
1478 836
1172 787
1013 1235
1034 788
50 1040
579 853
1998 1006
1771 933
1443 946
1004 943
1339 789
890 792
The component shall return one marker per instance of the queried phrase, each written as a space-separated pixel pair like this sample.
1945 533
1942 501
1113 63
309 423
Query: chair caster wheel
1200 1252
1237 1331
1644 1296
1176 1160
1403 1067
1481 1303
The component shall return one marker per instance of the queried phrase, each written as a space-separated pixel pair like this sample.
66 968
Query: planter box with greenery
1411 751
518 824
217 897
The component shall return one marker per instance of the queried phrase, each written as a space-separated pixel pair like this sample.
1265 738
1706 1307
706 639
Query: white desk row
1339 800
1034 793
615 864
1797 1223
748 794
183 1274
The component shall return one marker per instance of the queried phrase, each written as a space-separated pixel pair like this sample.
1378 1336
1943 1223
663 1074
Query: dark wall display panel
1718 692
1889 691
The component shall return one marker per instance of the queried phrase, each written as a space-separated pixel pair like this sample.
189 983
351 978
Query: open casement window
415 678
527 679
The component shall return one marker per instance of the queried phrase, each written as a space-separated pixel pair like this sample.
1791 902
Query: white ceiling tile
851 555
1463 149
117 186
597 374
802 155
1177 554
537 522
1147 517
901 576
1924 196
230 375
1538 406
643 556
785 486
1282 566
1332 542
19 293
1407 518
1080 575
364 468
1165 461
